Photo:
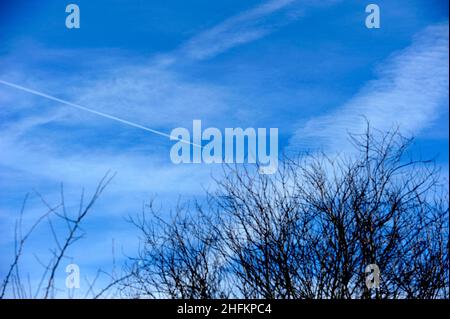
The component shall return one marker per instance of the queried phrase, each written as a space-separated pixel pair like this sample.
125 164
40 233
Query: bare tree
376 208
176 259
262 227
46 287
308 231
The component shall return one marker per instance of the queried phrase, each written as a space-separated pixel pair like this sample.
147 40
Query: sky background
309 68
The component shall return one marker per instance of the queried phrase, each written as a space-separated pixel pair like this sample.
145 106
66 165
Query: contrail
84 108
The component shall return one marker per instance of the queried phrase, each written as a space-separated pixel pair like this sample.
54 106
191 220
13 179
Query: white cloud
411 91
242 28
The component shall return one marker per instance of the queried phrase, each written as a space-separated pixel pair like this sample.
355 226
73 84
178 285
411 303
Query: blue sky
308 68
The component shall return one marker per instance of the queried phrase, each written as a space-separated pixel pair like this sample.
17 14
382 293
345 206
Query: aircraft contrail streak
84 108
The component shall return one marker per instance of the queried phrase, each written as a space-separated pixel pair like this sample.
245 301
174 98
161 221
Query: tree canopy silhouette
308 231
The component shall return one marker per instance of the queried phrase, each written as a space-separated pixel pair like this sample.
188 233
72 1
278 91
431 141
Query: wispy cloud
242 28
151 93
245 27
40 135
411 91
